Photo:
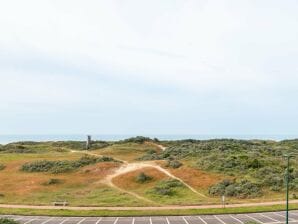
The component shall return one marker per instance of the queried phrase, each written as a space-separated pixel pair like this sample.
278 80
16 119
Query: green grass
66 212
8 221
76 196
178 194
126 151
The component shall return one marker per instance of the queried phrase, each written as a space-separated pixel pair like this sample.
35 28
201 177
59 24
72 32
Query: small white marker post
223 201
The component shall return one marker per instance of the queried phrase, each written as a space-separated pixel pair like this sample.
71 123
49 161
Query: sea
5 139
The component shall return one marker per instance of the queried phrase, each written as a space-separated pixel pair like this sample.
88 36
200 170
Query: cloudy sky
149 67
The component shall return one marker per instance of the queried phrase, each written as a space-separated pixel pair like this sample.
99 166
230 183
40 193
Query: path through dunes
129 167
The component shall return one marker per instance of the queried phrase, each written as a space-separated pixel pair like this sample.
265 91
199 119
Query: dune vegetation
146 172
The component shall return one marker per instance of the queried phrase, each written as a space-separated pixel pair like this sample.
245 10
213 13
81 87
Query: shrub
17 148
275 188
174 164
163 191
167 187
38 166
105 159
151 151
171 183
142 178
76 145
294 184
52 181
254 164
138 139
63 165
99 144
243 189
220 188
149 156
8 221
2 167
273 180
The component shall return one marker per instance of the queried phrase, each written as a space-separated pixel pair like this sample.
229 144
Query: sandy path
149 208
161 147
95 154
129 167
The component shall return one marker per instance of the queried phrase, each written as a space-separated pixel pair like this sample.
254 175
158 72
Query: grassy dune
87 186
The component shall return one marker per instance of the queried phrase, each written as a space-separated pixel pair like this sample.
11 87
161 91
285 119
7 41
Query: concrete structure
88 142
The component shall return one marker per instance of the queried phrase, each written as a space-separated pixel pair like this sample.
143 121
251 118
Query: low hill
141 172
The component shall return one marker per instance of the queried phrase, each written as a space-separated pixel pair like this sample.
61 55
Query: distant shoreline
5 139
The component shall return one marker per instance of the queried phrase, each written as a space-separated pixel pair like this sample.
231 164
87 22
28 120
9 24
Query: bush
75 145
138 139
163 191
149 156
142 178
2 167
105 159
174 164
167 187
294 184
151 151
99 144
220 188
243 189
52 181
63 166
8 221
272 177
155 139
171 183
275 188
38 166
17 148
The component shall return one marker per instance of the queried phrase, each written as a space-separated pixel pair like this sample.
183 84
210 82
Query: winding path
129 167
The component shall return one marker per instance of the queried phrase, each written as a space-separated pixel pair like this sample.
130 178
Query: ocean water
4 139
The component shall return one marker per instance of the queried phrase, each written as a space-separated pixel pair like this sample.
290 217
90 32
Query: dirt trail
129 167
95 154
163 148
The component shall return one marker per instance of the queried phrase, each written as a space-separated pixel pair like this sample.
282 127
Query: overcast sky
149 67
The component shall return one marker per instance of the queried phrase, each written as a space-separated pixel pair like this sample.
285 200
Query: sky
149 67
